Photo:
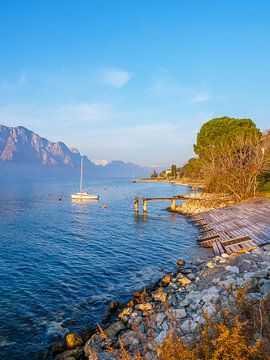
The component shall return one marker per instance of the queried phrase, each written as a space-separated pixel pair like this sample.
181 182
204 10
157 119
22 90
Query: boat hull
84 197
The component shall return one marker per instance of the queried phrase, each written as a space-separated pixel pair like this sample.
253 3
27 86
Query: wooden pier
146 200
235 228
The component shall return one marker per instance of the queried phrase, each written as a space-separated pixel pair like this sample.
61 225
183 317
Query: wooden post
136 205
173 205
144 206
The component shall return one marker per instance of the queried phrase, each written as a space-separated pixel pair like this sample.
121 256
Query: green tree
222 132
233 155
154 174
173 171
191 169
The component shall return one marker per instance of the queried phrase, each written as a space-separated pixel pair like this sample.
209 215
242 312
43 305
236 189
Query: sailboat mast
81 181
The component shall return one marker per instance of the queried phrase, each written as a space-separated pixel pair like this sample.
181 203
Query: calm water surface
61 262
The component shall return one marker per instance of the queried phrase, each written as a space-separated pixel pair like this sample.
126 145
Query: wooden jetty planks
236 228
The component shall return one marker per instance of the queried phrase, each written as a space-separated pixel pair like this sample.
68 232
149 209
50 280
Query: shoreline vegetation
216 308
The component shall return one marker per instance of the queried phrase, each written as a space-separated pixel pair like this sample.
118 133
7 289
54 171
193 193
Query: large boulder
113 330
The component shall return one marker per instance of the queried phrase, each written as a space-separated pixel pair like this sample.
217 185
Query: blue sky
133 80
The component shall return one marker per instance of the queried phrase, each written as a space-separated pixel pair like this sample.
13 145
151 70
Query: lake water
62 262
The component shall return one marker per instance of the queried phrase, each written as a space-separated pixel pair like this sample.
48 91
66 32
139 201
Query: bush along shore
203 310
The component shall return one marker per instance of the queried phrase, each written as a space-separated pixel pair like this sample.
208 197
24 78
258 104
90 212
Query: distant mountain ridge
25 153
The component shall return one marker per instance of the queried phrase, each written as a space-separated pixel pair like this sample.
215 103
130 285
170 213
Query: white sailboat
83 195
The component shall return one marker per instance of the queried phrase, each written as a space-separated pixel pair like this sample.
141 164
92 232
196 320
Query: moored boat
83 195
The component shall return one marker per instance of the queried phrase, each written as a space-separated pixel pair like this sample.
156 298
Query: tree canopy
224 131
191 169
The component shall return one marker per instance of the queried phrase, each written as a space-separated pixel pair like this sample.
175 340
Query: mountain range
26 154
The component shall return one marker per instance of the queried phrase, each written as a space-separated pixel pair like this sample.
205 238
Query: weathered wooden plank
215 248
207 238
236 241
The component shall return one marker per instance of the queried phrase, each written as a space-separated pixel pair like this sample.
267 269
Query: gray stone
114 329
129 338
255 295
199 319
165 325
249 275
233 269
75 353
260 274
228 283
160 318
266 247
93 345
258 251
188 326
193 306
210 309
265 288
161 336
186 302
211 295
178 313
106 356
191 276
239 281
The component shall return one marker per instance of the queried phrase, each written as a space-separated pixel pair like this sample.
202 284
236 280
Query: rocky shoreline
181 297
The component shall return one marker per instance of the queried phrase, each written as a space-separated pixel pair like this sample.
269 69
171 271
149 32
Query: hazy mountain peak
27 153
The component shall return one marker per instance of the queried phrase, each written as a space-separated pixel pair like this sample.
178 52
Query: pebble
184 281
181 262
233 269
166 280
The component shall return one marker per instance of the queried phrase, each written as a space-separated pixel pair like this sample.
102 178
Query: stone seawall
180 297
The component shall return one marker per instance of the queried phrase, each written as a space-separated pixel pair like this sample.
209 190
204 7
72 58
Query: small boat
83 195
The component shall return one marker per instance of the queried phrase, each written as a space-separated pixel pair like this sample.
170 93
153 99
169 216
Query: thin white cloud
115 77
201 97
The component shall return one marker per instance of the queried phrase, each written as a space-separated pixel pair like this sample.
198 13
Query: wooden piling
173 205
145 201
144 206
136 205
